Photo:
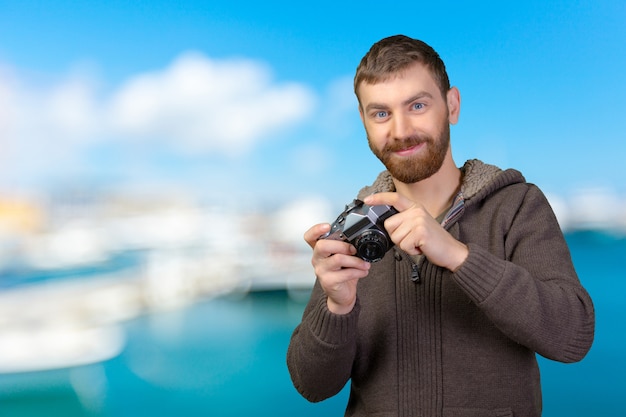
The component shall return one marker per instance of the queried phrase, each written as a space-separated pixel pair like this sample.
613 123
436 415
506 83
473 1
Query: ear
454 105
361 114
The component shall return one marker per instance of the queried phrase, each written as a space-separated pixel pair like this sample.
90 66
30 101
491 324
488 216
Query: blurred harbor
72 270
81 277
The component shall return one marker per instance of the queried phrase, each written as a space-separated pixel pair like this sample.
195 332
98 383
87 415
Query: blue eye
418 106
380 114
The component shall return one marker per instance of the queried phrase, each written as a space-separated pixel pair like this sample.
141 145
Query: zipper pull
415 275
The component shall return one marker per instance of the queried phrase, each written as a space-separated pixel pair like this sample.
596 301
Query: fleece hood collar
479 180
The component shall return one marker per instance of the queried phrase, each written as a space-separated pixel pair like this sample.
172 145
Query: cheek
435 126
375 132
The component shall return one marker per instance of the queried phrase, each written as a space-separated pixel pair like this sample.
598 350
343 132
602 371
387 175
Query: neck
436 192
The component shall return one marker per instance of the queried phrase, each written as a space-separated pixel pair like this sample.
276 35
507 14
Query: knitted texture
454 344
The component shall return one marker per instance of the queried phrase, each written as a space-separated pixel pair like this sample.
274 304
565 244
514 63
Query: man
479 280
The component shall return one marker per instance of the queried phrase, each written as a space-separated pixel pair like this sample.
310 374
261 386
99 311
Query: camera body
363 227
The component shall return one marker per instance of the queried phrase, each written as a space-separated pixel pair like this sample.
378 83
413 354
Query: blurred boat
57 345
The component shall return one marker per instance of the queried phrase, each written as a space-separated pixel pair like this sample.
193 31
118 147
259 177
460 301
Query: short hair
394 54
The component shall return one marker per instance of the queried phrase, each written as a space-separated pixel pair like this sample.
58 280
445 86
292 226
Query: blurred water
595 386
226 357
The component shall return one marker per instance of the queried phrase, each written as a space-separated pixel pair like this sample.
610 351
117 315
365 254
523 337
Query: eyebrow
418 96
381 106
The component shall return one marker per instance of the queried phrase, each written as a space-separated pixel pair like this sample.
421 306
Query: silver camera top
363 226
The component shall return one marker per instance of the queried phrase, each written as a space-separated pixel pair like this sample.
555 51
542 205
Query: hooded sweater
424 341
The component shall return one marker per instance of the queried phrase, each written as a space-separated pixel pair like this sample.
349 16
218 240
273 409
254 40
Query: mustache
405 143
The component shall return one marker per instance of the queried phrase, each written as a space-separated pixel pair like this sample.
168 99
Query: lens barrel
371 245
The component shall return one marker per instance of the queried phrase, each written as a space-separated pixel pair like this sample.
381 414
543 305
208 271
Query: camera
362 226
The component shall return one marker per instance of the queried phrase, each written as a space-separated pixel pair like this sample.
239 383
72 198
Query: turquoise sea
226 357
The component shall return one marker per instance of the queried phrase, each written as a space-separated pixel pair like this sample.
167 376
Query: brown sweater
454 344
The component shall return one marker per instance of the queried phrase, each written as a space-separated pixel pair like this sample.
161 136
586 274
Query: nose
401 127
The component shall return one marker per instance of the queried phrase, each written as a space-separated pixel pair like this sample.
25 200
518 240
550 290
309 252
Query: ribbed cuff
480 273
331 328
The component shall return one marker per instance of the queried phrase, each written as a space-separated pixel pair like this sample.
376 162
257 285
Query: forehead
414 79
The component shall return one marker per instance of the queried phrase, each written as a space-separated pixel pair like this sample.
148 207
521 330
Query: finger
344 263
381 198
312 235
396 200
409 230
340 277
327 247
354 262
402 235
340 268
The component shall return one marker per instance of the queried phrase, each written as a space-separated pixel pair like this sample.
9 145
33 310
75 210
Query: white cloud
42 127
65 110
70 110
595 207
196 104
208 105
7 111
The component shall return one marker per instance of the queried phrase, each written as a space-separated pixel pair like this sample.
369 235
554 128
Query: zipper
415 268
415 274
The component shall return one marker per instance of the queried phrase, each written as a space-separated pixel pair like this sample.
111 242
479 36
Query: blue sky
253 100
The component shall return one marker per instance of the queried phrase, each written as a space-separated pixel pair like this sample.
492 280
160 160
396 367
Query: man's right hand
336 268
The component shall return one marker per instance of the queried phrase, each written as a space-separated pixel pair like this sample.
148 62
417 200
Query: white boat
57 346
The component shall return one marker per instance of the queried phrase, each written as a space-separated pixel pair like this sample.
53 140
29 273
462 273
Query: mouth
409 150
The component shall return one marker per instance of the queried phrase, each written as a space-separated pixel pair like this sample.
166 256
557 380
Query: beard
418 167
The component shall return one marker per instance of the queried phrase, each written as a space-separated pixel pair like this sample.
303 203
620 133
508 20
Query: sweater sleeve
534 295
322 349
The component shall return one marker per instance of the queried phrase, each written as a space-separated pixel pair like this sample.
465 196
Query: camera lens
371 246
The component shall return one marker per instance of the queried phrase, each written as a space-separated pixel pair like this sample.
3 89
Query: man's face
407 122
